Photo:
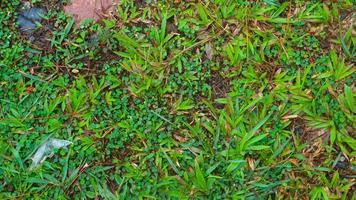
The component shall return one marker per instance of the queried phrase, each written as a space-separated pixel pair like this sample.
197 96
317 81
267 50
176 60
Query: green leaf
280 10
170 162
333 133
66 30
185 105
200 178
17 157
126 40
261 123
235 164
350 98
163 29
259 147
202 13
256 139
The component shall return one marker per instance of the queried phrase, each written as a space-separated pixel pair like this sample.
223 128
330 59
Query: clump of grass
211 99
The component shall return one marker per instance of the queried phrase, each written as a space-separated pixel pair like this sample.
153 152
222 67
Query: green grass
217 99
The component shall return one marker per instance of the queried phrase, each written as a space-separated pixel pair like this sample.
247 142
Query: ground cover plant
205 99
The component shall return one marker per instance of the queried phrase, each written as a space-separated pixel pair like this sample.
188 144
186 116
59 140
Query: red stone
94 9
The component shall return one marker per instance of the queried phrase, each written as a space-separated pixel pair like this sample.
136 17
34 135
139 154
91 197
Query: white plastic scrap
45 150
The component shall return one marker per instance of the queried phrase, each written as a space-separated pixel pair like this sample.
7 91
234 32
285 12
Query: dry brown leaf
294 161
251 163
209 51
180 138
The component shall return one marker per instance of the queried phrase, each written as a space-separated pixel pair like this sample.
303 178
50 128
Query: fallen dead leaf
180 138
251 163
290 117
294 161
75 71
209 51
